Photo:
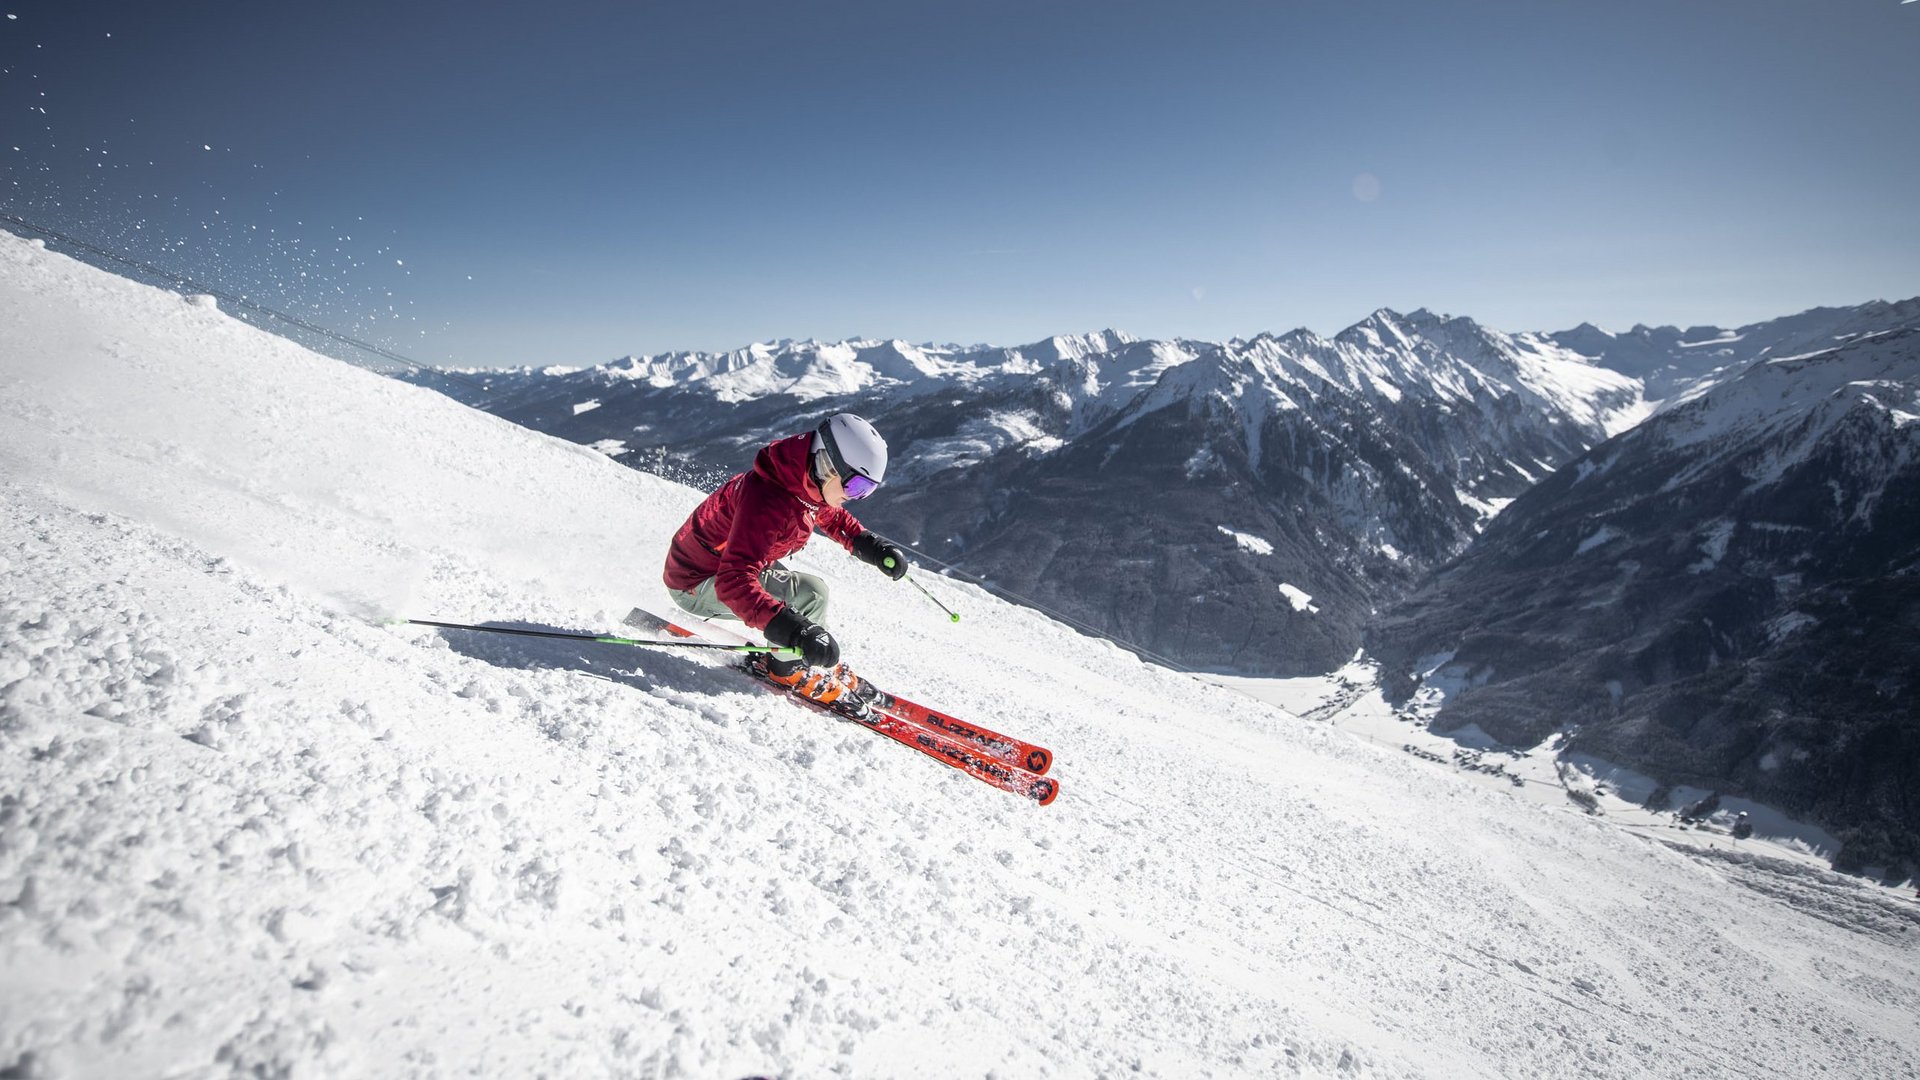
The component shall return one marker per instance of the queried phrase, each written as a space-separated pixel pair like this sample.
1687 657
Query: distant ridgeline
1702 568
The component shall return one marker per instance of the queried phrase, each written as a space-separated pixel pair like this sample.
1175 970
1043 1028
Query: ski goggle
858 485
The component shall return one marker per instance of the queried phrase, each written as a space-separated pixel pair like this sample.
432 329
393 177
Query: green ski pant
806 594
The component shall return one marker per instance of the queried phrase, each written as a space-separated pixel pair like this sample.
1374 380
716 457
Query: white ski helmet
857 452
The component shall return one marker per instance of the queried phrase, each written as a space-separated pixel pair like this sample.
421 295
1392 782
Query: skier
725 559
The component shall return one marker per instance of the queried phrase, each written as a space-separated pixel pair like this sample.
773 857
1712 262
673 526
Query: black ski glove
792 631
871 547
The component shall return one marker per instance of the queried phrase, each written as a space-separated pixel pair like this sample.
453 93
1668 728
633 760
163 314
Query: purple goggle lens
859 487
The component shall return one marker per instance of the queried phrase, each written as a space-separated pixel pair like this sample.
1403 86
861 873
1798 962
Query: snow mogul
725 559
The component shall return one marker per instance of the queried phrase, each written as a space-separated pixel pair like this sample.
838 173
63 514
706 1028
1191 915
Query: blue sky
574 182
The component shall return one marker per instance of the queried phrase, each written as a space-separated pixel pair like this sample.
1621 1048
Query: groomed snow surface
246 828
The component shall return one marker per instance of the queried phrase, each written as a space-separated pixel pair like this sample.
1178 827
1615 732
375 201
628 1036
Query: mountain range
1422 486
1241 506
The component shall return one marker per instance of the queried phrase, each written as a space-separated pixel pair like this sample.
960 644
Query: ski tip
1044 790
1038 761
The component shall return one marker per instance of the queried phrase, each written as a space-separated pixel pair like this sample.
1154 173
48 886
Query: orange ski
1005 748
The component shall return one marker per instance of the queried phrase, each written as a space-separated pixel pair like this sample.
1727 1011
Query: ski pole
603 639
952 615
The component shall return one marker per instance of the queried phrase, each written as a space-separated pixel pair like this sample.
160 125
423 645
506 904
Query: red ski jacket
758 516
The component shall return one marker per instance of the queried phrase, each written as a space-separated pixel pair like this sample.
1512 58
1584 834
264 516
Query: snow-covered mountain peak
1455 359
900 361
1078 346
1421 318
1384 329
1388 326
1298 336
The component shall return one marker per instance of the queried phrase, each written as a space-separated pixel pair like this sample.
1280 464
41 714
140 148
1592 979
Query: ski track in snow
247 829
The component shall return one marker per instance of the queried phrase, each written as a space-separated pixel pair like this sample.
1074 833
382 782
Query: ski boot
837 688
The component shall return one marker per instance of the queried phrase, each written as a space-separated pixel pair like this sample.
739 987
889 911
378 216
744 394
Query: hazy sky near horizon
496 184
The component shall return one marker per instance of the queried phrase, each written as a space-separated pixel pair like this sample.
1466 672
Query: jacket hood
785 462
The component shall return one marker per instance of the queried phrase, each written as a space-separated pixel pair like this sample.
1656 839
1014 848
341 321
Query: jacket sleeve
749 550
839 526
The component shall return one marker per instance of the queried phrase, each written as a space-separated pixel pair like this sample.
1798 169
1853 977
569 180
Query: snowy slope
245 829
